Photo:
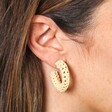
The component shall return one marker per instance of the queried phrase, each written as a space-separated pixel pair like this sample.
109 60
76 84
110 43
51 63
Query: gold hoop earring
61 84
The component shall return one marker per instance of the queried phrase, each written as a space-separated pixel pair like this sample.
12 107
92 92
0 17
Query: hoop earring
61 84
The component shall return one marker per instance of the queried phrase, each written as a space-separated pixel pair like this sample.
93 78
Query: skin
90 63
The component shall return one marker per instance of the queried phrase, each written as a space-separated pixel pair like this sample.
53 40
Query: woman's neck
69 101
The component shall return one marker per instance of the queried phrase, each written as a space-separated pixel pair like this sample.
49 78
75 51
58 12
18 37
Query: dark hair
21 76
72 16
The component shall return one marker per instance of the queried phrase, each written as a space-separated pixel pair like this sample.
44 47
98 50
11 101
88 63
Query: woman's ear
44 41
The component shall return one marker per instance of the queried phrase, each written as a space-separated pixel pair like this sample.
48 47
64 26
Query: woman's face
91 63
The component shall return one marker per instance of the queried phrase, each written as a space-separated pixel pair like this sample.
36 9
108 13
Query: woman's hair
21 76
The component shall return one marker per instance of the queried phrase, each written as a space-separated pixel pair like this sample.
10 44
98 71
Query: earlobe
43 40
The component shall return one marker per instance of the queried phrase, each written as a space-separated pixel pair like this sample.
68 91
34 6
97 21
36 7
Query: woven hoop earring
61 84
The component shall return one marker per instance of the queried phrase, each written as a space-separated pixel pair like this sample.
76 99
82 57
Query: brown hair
21 79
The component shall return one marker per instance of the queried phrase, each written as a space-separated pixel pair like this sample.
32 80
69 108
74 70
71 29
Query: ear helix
61 84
